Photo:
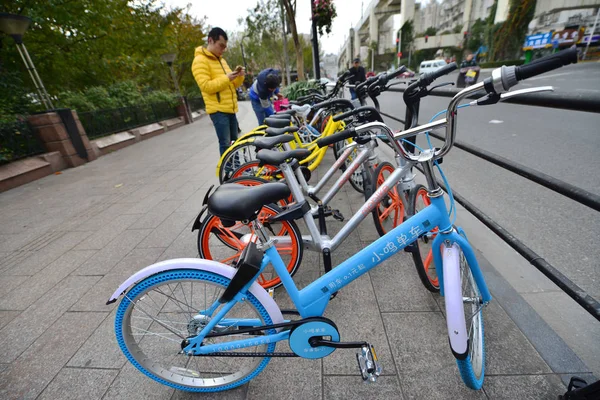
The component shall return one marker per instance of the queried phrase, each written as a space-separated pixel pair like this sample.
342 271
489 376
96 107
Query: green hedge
299 89
122 94
496 64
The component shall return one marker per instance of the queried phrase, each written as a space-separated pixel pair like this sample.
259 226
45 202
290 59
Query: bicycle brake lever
441 85
396 83
508 95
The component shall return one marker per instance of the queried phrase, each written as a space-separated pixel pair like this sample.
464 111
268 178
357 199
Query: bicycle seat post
263 234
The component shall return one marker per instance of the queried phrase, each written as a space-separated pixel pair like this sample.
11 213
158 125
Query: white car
431 66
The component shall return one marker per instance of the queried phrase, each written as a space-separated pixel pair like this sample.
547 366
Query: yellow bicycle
243 151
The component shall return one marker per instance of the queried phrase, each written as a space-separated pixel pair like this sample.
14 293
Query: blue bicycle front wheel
163 310
472 368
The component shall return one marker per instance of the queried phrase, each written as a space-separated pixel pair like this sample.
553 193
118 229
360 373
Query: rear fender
197 222
202 265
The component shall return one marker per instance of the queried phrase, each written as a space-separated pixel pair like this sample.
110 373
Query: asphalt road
562 144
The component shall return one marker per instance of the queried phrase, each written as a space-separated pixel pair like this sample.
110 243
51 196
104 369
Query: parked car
431 66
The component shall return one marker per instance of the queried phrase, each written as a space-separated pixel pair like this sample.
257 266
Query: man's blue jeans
261 113
227 129
353 95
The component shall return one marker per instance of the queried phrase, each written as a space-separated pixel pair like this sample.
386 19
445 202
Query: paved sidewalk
67 241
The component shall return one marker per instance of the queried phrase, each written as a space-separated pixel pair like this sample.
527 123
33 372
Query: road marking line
495 121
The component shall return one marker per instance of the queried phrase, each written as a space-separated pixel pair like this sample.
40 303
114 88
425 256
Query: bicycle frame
316 241
313 299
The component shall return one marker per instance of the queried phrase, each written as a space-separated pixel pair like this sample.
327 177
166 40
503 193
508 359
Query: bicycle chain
245 354
260 328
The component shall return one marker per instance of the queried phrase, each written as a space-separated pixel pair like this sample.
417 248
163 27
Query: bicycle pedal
368 365
337 215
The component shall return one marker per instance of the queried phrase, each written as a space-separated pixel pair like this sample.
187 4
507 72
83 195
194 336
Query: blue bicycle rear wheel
163 310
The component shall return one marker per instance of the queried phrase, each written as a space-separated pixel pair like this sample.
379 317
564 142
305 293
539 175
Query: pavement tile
439 384
185 191
91 384
100 217
185 246
39 284
156 215
524 387
7 316
507 350
37 260
399 287
140 193
167 177
167 231
104 338
175 183
576 323
23 330
10 283
29 374
287 378
105 260
95 299
16 241
132 384
355 312
102 237
353 387
193 204
238 393
419 342
147 204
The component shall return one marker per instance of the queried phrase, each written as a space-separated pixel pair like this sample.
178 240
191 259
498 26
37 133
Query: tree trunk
292 20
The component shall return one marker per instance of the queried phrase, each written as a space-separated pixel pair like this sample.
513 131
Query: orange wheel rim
395 210
228 236
268 171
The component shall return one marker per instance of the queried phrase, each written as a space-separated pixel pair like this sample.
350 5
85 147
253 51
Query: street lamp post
315 44
15 26
169 58
243 55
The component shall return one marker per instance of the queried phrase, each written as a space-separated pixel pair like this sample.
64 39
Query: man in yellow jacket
218 83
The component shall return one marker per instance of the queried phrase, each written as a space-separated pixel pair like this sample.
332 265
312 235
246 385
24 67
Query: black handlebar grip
336 137
304 99
395 73
546 64
334 102
432 76
366 83
343 116
345 76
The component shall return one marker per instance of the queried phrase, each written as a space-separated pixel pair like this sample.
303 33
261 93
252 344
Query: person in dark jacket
357 76
262 90
469 61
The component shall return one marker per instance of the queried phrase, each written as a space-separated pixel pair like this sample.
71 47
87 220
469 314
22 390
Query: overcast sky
224 13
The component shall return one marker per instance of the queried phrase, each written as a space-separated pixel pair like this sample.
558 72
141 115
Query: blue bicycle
202 326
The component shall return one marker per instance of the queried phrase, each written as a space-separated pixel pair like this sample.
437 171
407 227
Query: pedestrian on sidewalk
218 86
265 86
357 75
